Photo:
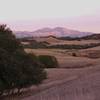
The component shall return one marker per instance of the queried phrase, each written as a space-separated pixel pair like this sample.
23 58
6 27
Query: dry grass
65 59
58 75
70 66
90 52
54 41
83 86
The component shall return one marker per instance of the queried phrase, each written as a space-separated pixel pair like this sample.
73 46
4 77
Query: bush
48 61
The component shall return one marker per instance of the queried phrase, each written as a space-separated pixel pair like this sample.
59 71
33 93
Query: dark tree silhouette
17 68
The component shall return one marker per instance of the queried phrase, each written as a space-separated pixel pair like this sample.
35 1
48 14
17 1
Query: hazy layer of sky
33 14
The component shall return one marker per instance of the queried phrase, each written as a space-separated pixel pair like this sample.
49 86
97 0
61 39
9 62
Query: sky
29 15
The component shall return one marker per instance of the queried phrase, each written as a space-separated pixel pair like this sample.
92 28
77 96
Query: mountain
57 31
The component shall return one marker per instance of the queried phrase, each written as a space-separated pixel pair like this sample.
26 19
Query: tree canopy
17 68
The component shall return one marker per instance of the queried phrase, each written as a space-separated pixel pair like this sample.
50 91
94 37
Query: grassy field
65 57
71 68
54 41
83 85
68 64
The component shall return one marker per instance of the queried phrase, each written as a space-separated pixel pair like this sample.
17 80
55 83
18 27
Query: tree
8 40
17 68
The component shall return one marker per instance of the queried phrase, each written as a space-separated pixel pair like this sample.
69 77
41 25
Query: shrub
48 61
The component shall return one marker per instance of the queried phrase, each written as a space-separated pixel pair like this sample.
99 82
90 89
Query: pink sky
34 14
82 23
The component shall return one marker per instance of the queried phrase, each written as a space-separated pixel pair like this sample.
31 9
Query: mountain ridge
57 31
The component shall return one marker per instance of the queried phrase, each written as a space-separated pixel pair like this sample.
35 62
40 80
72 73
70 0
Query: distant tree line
35 45
88 37
72 46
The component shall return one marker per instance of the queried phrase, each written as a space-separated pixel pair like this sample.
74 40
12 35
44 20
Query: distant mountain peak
57 31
